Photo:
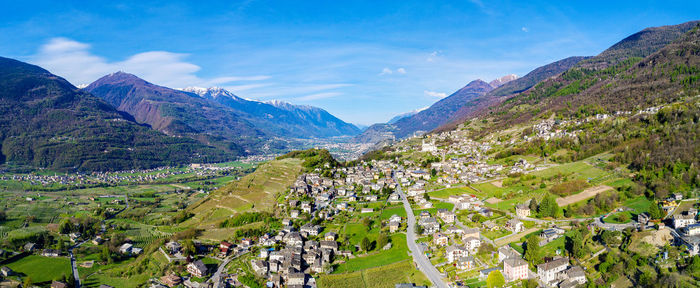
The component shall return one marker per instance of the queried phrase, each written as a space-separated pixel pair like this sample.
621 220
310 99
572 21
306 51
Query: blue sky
363 61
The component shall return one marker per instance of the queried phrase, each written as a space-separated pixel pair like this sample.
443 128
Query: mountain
503 80
47 122
404 115
179 113
632 84
281 118
535 76
640 44
427 119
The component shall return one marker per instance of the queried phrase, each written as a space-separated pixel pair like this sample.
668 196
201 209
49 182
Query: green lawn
640 204
42 269
445 193
382 277
389 211
398 252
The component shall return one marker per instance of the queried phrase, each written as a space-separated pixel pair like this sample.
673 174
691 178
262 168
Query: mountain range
471 101
281 118
47 122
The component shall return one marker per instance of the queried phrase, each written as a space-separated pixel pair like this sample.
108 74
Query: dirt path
588 193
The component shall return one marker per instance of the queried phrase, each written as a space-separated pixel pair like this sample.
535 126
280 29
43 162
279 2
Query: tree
495 279
655 212
367 223
382 240
529 283
419 229
532 249
548 207
533 204
574 244
365 244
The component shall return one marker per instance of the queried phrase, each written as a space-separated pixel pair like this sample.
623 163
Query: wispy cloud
74 61
387 71
524 29
434 94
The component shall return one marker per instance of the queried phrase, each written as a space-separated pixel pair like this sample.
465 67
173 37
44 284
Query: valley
582 173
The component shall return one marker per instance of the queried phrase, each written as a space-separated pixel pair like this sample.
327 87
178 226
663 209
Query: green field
398 252
389 211
381 277
42 269
447 192
255 191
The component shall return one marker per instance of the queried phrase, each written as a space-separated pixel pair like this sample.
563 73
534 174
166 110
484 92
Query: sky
363 61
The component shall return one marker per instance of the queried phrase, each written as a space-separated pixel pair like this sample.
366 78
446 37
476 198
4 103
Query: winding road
419 257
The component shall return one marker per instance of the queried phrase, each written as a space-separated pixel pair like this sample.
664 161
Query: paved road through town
419 257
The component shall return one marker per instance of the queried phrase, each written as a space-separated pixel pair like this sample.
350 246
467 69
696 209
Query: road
419 257
217 275
73 264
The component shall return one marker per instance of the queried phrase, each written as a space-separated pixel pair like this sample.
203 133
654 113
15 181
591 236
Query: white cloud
386 71
433 55
72 60
525 29
434 94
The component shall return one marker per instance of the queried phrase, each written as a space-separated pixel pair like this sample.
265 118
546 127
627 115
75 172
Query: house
310 229
454 252
465 263
294 213
515 225
293 239
485 273
197 268
6 271
394 226
683 219
576 274
366 210
259 266
50 253
171 280
692 243
471 232
424 215
224 248
550 234
296 279
173 247
514 269
507 252
454 230
446 215
471 243
692 229
29 247
126 248
430 225
551 270
332 245
522 211
440 239
643 219
330 236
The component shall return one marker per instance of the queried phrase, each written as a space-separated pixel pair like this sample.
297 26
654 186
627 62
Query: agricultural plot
398 252
256 191
41 269
382 277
